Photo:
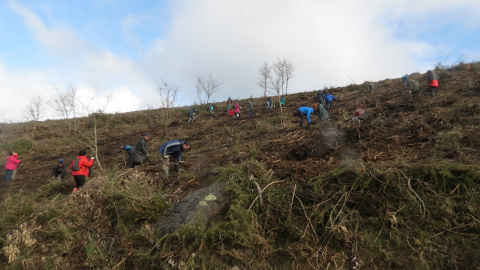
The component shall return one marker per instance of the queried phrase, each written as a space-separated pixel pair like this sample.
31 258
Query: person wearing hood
229 103
173 150
139 151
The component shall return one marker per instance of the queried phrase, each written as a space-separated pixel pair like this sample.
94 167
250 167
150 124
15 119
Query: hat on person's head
60 161
82 153
146 134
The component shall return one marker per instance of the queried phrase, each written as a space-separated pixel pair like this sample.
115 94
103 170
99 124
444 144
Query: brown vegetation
398 190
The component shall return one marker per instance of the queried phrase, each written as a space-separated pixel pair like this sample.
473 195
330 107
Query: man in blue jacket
304 112
328 100
172 149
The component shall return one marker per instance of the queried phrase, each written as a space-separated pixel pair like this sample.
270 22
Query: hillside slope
398 190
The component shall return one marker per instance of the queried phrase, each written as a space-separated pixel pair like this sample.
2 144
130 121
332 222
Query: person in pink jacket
237 110
11 166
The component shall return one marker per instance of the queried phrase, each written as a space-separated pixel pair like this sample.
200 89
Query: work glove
166 156
92 158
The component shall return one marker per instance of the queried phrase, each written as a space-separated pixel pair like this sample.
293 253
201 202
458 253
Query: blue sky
123 47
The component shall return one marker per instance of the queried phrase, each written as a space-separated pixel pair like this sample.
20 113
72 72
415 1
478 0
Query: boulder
203 205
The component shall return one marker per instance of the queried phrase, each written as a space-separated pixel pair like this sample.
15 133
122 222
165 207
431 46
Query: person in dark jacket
321 97
415 87
322 113
191 115
84 165
432 82
58 171
172 149
328 100
304 113
269 101
139 152
229 103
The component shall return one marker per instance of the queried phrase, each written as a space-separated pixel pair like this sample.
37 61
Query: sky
118 50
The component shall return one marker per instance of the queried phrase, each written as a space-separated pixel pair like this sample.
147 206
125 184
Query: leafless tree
34 111
288 68
279 76
64 102
263 77
168 95
208 85
90 137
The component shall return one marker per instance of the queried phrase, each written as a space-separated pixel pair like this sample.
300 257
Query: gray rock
199 206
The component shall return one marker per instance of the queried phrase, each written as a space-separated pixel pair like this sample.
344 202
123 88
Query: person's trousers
8 175
302 117
79 180
251 113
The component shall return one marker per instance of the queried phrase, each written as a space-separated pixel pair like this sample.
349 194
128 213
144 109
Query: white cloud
331 43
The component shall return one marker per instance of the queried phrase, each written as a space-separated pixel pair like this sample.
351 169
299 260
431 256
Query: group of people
324 99
173 149
80 167
415 88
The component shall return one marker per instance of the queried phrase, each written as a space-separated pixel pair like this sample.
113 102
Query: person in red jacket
11 166
84 165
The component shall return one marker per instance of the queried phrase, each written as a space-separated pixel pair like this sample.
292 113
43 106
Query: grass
417 210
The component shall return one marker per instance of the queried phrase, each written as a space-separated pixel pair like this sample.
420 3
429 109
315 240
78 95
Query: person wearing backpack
81 169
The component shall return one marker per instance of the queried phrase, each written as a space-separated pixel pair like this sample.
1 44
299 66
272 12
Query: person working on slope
304 112
81 169
432 82
58 171
172 149
11 165
139 152
328 100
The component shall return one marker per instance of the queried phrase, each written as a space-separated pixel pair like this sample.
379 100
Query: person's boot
74 190
165 172
176 167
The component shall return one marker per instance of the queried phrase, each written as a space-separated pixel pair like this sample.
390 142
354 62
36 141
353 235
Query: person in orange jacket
80 169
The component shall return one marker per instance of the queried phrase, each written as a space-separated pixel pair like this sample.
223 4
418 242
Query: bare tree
64 102
168 94
208 85
34 111
288 72
279 70
263 78
90 137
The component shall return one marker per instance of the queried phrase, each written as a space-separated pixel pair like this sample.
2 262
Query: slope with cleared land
398 190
